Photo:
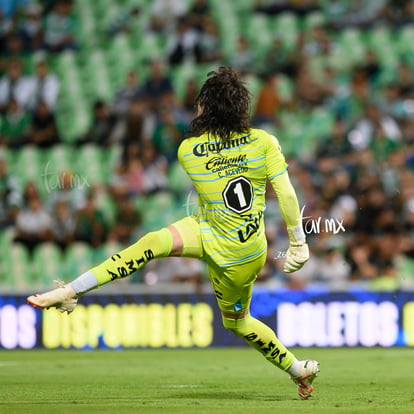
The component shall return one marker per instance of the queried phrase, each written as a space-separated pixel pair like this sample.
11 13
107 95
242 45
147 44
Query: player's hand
296 256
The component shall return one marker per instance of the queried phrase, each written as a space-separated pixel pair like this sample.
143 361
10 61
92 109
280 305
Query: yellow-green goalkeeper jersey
230 179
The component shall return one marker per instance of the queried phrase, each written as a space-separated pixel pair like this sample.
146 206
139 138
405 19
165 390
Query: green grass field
237 380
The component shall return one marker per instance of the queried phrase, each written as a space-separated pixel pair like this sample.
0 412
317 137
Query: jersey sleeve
279 178
275 161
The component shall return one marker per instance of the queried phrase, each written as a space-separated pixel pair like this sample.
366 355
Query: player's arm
298 252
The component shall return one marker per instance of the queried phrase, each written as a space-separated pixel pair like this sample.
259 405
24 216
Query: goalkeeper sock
151 246
262 338
294 369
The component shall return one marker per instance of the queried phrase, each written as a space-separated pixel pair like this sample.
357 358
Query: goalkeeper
229 164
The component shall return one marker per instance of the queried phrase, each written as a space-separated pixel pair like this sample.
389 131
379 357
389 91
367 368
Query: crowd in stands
354 175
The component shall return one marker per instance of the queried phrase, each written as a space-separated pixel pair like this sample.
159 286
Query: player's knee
235 325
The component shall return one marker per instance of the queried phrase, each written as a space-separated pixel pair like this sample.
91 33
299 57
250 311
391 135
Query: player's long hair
225 103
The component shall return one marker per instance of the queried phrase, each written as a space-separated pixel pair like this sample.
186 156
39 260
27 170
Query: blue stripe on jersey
215 192
207 181
206 173
282 172
244 259
216 252
215 202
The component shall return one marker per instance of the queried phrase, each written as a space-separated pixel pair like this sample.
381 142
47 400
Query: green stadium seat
89 163
78 258
260 34
16 267
7 155
28 165
178 181
108 208
46 265
60 157
180 75
352 46
157 205
286 25
111 156
314 19
405 43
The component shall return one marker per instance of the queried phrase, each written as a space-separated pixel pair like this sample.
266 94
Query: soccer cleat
62 298
309 371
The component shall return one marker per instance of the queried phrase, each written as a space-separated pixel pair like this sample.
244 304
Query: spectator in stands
31 28
43 131
46 87
15 127
198 14
271 7
408 226
63 224
134 176
128 177
158 88
165 13
268 102
6 27
385 251
278 59
183 45
10 195
127 219
186 270
187 102
64 188
60 28
102 131
405 79
33 222
243 58
168 133
332 269
335 145
124 21
15 85
124 96
372 125
319 43
309 91
13 50
138 122
351 103
360 259
209 42
370 67
155 169
90 223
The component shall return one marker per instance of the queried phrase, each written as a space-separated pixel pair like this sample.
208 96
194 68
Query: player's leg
233 288
161 243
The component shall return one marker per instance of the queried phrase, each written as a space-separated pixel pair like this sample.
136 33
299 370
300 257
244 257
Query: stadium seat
28 165
352 46
180 75
60 157
46 265
178 180
16 267
89 163
76 260
286 25
260 34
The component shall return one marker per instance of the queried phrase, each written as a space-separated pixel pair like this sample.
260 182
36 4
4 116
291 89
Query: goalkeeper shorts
232 284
